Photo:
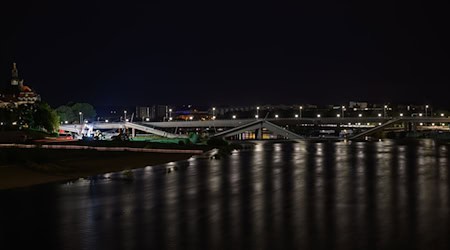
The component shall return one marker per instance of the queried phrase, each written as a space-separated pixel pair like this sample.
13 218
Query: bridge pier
133 132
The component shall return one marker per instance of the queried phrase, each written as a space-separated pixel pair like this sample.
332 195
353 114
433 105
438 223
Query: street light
234 116
257 112
338 115
401 114
301 108
214 111
379 115
384 110
125 115
318 115
442 114
276 116
170 114
342 111
360 115
296 116
420 114
426 110
81 116
256 116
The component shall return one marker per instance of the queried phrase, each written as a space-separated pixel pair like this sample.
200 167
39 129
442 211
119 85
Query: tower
14 75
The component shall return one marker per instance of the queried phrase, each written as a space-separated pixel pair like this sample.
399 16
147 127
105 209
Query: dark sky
256 53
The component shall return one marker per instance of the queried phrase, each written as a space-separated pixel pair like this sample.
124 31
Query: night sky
186 53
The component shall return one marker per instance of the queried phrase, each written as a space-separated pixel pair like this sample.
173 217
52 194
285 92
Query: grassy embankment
20 167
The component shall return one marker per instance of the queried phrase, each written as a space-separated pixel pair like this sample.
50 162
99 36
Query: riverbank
22 167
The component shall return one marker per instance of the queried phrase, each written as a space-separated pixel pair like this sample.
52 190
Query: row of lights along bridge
302 112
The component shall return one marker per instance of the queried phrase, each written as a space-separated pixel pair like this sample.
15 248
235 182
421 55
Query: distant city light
170 118
401 114
420 114
147 119
379 115
106 120
296 116
88 121
421 124
257 107
360 115
318 115
65 122
276 116
14 123
442 114
338 115
234 117
432 124
379 123
214 117
191 118
256 116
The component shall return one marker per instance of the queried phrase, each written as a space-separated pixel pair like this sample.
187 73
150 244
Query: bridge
278 126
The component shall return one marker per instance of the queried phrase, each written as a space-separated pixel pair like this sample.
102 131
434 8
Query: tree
86 108
45 117
70 112
66 113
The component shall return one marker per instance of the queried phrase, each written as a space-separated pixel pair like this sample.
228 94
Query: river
276 195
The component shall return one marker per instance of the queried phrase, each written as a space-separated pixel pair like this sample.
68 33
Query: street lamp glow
214 117
401 114
432 124
420 114
360 115
234 117
338 115
65 122
276 116
421 124
147 119
257 108
296 116
300 109
256 116
318 115
106 120
191 118
170 118
442 114
379 115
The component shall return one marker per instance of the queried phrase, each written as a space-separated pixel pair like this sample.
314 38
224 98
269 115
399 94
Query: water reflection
359 195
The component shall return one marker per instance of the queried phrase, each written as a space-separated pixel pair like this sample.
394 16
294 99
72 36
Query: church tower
15 76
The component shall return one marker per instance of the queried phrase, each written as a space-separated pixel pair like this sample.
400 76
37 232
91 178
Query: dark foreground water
363 195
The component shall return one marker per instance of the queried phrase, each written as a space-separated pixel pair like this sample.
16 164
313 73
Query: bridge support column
133 132
258 134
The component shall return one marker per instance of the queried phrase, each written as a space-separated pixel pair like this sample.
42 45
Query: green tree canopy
86 108
66 113
45 117
70 112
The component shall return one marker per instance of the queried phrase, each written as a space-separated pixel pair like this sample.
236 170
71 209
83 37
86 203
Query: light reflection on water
327 195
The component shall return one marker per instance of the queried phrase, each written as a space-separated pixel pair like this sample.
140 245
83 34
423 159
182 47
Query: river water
303 195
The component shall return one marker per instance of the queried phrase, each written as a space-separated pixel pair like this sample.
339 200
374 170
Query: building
17 93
